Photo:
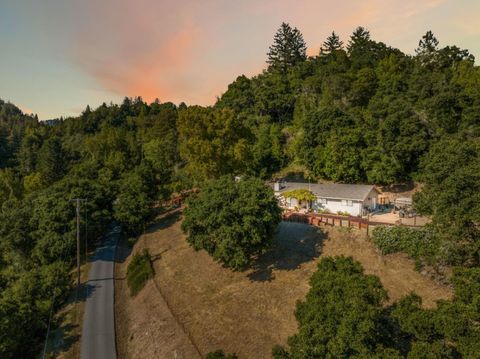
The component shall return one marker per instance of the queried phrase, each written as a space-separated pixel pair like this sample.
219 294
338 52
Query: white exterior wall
335 205
372 199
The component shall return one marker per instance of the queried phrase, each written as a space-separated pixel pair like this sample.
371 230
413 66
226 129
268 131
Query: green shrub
139 271
219 354
420 244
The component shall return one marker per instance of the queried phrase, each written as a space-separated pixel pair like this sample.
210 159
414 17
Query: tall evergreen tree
51 160
331 44
427 50
4 152
288 48
427 44
359 39
360 48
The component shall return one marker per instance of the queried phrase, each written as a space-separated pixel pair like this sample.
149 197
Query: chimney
276 186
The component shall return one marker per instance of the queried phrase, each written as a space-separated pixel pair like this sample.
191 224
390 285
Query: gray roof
356 192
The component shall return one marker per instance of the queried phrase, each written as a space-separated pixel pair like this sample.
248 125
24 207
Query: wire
86 247
86 232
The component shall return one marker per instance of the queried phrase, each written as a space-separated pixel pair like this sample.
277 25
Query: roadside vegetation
139 271
357 112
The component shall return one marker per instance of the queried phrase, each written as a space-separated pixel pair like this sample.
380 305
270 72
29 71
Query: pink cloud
136 52
190 51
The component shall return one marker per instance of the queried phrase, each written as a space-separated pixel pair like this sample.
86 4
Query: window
347 203
321 200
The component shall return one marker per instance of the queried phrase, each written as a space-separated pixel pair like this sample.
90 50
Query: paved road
98 333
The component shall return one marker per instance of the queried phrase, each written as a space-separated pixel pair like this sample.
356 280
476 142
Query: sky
57 56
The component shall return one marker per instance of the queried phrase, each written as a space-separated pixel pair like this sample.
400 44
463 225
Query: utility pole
78 202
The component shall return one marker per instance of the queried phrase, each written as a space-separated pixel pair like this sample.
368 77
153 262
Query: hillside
243 312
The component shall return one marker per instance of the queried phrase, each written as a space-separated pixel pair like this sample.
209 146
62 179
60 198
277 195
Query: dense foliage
232 221
449 331
364 113
300 194
341 316
344 316
120 158
451 173
139 271
419 243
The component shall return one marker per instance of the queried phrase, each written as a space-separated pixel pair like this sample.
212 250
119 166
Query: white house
353 199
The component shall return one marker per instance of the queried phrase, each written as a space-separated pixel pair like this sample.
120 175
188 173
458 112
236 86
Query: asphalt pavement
98 332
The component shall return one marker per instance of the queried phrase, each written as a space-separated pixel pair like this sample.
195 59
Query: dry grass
396 271
243 312
144 324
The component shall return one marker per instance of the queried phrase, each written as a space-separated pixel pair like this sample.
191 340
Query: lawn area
193 303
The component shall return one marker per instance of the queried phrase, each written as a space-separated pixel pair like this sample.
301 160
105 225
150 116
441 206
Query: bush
232 221
219 354
139 271
420 244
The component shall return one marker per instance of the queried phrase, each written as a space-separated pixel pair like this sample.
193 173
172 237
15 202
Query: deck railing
324 219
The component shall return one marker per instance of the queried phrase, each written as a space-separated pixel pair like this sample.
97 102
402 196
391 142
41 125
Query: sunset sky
57 56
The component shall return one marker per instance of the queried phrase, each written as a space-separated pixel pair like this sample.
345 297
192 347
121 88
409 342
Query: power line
86 232
86 245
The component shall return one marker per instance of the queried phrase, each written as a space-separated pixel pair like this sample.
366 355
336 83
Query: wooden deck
323 219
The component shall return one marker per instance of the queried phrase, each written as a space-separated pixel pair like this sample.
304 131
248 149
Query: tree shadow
165 221
106 247
63 337
64 334
399 187
86 290
122 252
293 245
157 256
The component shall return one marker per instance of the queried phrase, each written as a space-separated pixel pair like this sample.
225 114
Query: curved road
98 333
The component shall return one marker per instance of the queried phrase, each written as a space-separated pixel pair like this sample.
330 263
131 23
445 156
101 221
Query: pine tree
359 39
4 150
288 48
428 44
427 50
51 160
87 110
331 44
360 48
